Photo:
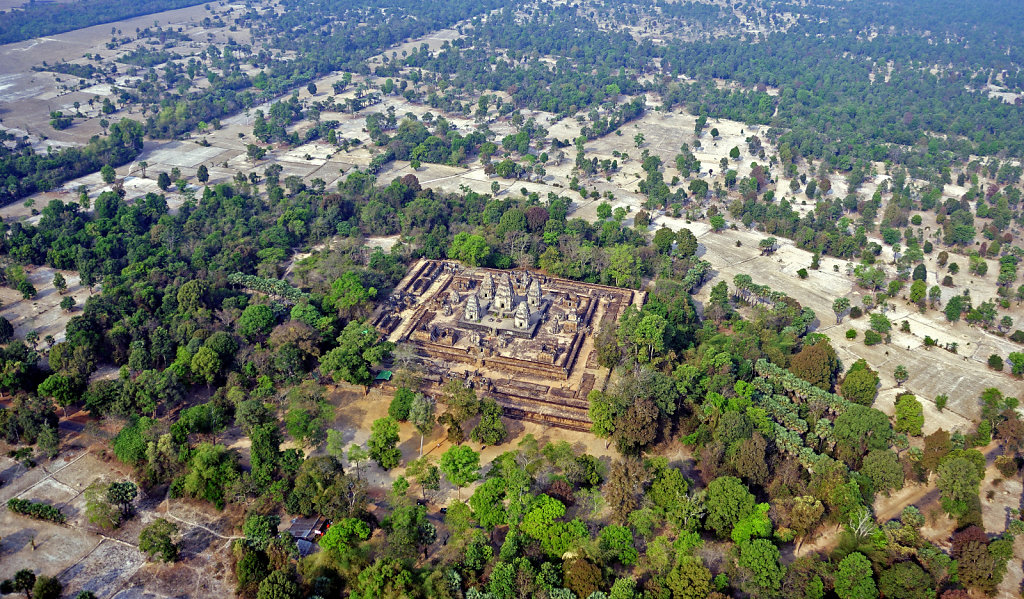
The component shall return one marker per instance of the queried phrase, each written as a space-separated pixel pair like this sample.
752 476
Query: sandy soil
108 563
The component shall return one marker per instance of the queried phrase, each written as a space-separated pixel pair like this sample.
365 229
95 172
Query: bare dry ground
109 564
42 313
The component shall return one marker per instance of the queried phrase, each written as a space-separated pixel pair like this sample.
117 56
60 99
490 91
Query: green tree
98 510
278 586
617 544
689 579
901 375
469 248
256 322
359 348
163 181
884 470
349 297
460 465
880 323
958 482
342 538
206 364
421 415
761 558
27 290
860 385
259 530
203 173
60 283
906 580
123 494
734 153
62 389
47 587
401 404
490 430
839 307
382 442
854 578
108 174
909 415
858 430
727 501
156 540
23 580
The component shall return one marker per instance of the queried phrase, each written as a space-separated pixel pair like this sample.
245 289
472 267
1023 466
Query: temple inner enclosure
523 338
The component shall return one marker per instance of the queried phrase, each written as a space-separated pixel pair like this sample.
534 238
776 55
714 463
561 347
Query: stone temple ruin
521 337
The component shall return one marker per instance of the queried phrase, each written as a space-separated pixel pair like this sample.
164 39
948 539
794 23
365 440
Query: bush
909 415
802 272
1006 465
39 511
947 281
872 338
940 402
400 404
856 312
1017 336
995 362
851 334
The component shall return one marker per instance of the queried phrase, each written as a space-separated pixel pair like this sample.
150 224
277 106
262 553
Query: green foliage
909 415
854 579
617 542
884 470
156 540
382 442
401 403
755 524
460 465
259 530
860 385
958 481
255 322
40 511
212 469
359 348
727 501
761 558
906 580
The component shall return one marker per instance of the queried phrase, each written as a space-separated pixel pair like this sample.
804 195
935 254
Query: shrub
802 273
1006 465
940 402
851 334
872 338
909 415
1017 336
995 362
856 312
39 511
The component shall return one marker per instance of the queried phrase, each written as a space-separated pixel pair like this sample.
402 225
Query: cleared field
42 313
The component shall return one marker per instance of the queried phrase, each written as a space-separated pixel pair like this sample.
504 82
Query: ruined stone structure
504 296
487 287
522 317
515 336
472 308
533 294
